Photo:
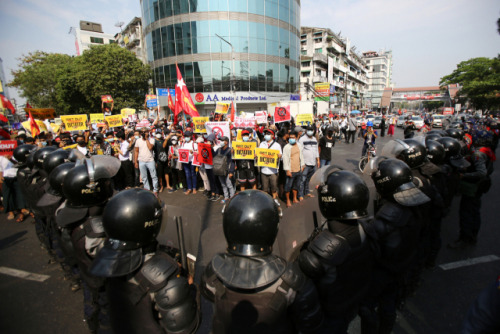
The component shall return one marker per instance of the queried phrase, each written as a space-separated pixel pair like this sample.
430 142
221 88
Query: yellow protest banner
304 119
97 119
127 112
199 124
114 121
42 113
267 158
41 125
244 150
55 127
75 122
222 108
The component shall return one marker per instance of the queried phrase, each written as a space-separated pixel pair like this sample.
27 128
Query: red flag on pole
6 104
28 105
187 102
35 130
170 101
178 104
232 111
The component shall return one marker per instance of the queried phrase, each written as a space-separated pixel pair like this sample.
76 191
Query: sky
428 38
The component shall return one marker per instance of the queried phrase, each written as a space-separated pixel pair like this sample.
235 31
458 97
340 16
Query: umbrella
355 112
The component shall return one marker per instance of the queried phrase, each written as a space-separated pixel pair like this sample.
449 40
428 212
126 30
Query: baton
180 237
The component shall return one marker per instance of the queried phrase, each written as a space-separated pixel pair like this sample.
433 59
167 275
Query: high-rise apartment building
131 38
379 75
245 50
326 59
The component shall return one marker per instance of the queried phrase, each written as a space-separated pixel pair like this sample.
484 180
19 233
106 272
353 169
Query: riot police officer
395 230
145 292
339 259
474 182
251 288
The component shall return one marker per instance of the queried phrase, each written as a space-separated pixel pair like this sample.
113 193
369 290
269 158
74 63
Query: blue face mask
292 141
187 139
136 137
310 133
267 137
245 138
44 143
21 141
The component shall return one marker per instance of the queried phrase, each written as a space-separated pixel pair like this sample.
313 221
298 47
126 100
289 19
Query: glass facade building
264 34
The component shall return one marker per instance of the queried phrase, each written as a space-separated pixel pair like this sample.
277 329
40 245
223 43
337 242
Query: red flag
170 102
205 153
178 104
4 119
187 102
6 104
232 111
28 105
35 130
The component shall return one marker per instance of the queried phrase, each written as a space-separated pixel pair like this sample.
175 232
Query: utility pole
233 93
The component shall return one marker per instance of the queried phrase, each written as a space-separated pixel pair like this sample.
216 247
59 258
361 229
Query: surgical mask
245 138
205 136
267 137
187 139
174 142
292 141
310 133
44 143
110 140
21 141
136 137
158 135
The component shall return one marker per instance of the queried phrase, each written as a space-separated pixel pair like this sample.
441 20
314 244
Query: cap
245 132
310 128
211 137
188 134
269 131
298 129
224 138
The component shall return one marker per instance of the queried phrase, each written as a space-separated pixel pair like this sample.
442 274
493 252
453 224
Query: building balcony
318 57
319 78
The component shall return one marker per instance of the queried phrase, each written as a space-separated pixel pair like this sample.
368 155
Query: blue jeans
190 171
324 162
307 173
293 182
227 186
144 167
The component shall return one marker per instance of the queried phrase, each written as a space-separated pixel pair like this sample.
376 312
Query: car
437 121
359 120
401 121
418 121
376 122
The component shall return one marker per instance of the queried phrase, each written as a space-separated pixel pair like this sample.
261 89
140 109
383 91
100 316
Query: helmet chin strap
91 172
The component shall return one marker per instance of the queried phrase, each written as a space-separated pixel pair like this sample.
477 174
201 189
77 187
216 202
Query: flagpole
233 93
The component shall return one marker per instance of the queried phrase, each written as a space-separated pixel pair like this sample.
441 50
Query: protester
269 176
144 160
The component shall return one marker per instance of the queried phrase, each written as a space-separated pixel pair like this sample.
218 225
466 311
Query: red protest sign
205 153
183 155
282 114
7 147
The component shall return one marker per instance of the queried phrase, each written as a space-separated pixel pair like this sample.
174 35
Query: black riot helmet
455 133
41 154
432 136
435 151
342 194
56 178
250 222
414 153
54 159
132 220
30 160
440 133
22 152
90 184
452 149
394 181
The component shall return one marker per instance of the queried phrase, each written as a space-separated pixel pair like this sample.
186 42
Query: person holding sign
293 165
269 176
189 168
245 167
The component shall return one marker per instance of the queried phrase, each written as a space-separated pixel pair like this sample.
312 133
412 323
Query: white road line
23 274
469 262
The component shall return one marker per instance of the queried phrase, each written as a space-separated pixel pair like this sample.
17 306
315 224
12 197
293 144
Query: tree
479 79
38 75
74 85
110 69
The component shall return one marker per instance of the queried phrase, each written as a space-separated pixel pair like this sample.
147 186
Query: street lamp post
232 72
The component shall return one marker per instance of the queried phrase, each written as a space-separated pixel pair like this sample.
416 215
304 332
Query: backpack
220 165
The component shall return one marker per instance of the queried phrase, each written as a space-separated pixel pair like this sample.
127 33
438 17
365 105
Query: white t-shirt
145 154
7 167
192 146
124 148
83 150
274 146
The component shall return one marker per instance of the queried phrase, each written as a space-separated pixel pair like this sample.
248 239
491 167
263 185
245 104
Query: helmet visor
319 177
409 195
393 148
102 167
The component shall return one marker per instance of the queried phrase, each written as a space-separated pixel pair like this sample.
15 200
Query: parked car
437 121
376 122
400 122
418 121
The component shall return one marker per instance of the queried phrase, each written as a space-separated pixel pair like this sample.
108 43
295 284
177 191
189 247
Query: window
96 40
111 41
303 52
320 50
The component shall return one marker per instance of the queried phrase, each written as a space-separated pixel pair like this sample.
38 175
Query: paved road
30 306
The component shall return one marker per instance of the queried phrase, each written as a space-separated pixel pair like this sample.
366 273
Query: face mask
187 139
158 135
110 140
44 143
292 141
81 143
174 142
267 137
205 136
310 133
21 141
245 138
136 137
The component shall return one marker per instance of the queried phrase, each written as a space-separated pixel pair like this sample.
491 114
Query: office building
90 33
245 50
379 75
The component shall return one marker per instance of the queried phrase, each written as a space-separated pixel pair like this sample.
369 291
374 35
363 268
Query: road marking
469 262
23 274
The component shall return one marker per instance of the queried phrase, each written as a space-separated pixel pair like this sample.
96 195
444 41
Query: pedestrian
352 127
225 180
13 199
392 124
382 127
269 176
189 168
325 146
311 160
293 165
144 160
126 172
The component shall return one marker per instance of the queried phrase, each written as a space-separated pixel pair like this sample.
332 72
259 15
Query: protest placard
261 117
222 108
244 150
7 147
205 153
199 124
267 158
97 119
41 113
282 114
183 155
244 122
114 121
74 122
127 112
304 119
219 129
106 98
